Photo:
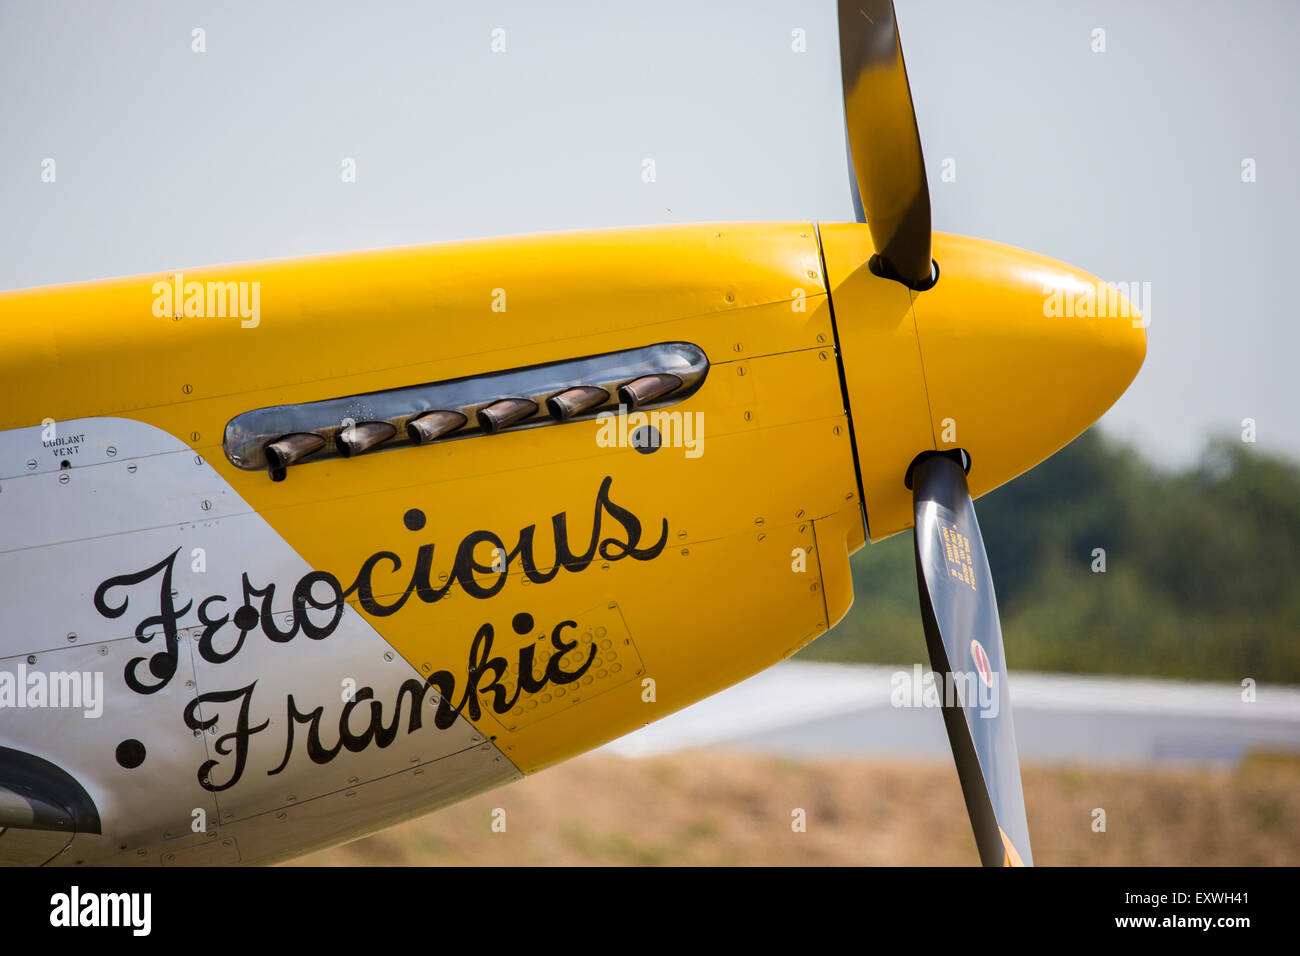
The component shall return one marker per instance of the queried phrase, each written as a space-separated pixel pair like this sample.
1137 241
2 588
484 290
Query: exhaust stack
362 437
504 413
289 450
431 426
647 389
575 401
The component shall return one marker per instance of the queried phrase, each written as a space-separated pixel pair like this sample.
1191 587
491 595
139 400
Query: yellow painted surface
715 595
1009 356
1014 381
706 569
884 373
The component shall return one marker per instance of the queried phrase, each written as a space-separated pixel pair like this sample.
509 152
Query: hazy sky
1125 163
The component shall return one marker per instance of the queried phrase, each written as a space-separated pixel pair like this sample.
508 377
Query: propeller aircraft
291 551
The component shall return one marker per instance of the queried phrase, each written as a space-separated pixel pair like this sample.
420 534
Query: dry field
715 808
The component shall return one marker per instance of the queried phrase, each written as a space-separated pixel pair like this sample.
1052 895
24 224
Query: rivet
103 650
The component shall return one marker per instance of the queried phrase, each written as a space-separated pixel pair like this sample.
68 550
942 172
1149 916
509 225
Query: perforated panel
602 637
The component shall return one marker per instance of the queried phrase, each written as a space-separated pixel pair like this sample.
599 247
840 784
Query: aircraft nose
1021 353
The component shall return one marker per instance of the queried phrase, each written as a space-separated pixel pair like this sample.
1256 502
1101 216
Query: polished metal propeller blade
890 191
964 637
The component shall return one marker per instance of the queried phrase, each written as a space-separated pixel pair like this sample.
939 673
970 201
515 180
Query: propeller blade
964 637
890 192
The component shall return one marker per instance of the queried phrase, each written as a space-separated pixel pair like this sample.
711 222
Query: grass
712 808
